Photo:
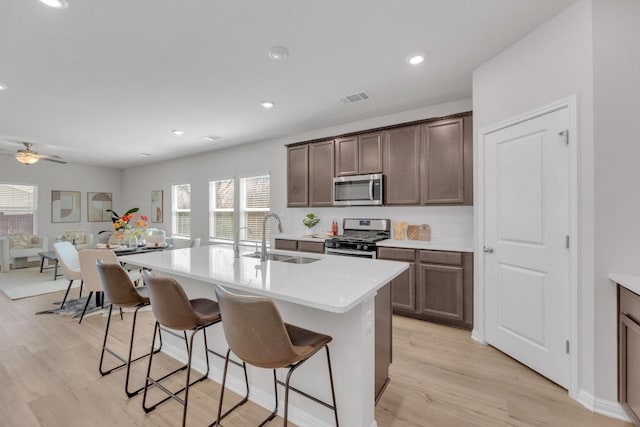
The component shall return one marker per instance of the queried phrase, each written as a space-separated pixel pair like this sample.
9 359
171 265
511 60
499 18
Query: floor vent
360 96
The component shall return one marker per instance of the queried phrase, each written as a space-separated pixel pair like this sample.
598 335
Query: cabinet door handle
488 249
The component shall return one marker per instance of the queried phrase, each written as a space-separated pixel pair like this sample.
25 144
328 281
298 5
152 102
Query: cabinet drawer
315 247
629 304
287 245
440 257
408 255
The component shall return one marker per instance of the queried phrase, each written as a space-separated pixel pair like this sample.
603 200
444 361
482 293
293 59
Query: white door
526 243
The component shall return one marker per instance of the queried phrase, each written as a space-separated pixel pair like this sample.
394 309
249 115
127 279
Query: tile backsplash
446 222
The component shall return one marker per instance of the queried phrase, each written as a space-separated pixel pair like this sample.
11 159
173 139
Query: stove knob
359 247
365 247
336 245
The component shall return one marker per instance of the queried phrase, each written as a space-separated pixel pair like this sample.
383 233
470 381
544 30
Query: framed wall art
97 205
157 200
65 206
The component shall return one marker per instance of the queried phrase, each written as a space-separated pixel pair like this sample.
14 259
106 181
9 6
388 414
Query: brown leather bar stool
174 310
120 291
257 334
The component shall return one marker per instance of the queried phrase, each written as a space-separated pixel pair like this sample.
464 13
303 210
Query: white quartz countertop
628 281
456 245
335 284
320 237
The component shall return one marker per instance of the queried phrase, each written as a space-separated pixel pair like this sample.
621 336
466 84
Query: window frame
34 212
212 210
239 201
175 211
242 205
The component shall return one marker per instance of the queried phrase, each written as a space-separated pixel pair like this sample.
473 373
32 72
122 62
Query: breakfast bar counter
331 295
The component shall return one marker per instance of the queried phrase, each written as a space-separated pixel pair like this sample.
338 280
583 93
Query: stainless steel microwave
358 190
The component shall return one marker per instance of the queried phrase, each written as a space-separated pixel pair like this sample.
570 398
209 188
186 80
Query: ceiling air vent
360 96
212 137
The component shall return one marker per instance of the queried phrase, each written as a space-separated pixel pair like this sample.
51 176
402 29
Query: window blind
221 209
255 203
181 209
18 209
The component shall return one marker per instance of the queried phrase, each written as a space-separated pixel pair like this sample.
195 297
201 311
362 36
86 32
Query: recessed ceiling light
267 104
144 154
278 53
211 138
3 87
178 132
57 4
415 59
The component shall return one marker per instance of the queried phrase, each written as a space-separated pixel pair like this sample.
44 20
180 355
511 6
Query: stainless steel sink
300 260
285 258
270 257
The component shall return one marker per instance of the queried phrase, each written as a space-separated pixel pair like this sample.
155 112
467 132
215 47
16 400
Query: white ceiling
102 81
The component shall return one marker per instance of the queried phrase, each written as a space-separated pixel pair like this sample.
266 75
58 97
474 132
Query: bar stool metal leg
244 400
170 394
128 361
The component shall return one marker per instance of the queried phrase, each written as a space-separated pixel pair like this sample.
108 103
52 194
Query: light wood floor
440 378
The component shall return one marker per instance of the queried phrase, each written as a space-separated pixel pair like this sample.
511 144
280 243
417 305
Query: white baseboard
477 336
601 406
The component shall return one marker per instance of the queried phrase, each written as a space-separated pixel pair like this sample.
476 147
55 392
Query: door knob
488 249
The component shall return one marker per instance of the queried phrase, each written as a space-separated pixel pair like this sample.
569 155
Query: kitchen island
333 295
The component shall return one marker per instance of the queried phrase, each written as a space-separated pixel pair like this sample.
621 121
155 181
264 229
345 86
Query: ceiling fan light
27 158
56 4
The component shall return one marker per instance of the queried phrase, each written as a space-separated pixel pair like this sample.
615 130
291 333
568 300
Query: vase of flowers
133 228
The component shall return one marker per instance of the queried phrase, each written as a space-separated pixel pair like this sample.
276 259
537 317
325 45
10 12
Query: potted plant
310 221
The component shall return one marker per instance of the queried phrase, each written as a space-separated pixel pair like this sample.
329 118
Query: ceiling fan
26 156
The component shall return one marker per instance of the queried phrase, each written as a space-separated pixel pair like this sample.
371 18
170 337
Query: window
247 208
255 196
221 209
181 210
18 207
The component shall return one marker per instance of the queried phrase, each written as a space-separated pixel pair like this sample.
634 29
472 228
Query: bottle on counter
334 227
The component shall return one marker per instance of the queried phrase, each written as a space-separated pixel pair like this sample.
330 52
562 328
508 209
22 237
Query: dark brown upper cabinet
321 167
442 162
360 154
402 165
429 162
298 176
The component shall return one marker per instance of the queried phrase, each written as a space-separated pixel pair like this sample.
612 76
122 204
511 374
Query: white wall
616 32
270 157
553 62
50 176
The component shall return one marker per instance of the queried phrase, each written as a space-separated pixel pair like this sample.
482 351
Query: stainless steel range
359 238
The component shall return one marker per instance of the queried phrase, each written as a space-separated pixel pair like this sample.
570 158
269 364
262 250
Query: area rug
74 307
29 282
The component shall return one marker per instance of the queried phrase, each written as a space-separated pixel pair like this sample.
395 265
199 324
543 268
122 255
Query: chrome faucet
263 253
236 243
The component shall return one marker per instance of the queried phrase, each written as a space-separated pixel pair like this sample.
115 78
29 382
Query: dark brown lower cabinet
286 244
382 340
403 287
299 245
313 247
438 287
629 353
